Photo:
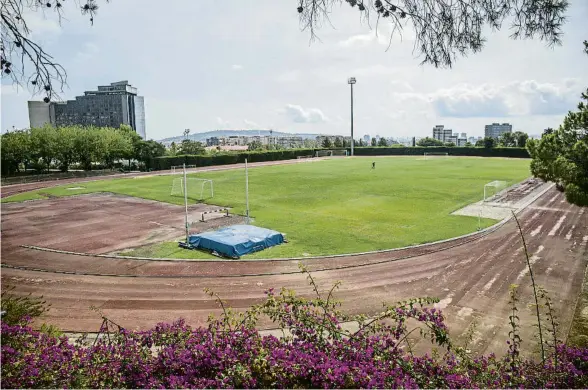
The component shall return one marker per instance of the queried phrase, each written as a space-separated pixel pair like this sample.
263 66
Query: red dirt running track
471 276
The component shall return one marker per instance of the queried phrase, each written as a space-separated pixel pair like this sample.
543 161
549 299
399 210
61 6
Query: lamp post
351 81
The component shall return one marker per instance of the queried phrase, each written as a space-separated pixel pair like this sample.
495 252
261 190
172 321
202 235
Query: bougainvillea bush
315 352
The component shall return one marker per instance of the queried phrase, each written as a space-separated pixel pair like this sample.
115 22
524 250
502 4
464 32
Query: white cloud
526 97
89 51
237 67
223 123
301 115
251 124
40 25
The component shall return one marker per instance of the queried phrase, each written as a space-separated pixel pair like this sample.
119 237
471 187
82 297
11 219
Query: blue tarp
236 240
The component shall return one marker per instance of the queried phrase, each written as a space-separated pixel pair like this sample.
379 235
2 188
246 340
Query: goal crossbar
195 185
179 168
497 185
435 154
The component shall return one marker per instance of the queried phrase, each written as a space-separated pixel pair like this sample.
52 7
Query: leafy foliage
427 141
561 156
39 148
315 351
445 29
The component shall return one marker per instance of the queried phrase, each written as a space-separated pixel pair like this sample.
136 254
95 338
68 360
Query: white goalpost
324 153
179 168
196 187
493 188
332 153
434 154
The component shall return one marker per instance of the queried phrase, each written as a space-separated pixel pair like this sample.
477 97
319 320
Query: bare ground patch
98 223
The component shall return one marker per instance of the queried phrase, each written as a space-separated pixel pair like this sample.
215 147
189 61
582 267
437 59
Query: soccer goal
179 169
303 157
427 155
493 188
324 153
196 187
340 153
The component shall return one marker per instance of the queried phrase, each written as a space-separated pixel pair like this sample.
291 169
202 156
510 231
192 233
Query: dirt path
471 279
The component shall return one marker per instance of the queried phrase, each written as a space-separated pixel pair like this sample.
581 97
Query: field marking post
186 204
246 192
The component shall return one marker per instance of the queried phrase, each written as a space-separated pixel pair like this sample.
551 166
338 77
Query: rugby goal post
435 154
179 169
196 187
493 188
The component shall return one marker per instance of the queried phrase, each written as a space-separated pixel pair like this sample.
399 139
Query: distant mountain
226 133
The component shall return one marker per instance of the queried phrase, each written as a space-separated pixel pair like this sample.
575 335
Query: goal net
302 157
324 153
434 155
339 153
493 188
179 169
196 189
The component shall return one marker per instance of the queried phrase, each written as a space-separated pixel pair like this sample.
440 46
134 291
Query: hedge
453 151
162 163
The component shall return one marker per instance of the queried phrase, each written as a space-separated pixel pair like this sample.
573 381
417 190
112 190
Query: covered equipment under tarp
236 240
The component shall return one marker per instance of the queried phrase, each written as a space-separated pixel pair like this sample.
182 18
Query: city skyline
265 74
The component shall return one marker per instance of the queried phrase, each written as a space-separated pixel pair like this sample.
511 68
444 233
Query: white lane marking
532 260
536 231
569 235
553 199
556 226
490 283
584 239
442 304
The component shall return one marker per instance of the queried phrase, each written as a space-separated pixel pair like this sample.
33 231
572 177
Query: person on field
373 165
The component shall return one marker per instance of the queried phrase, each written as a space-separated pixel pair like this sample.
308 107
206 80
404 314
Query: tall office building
110 106
443 134
495 130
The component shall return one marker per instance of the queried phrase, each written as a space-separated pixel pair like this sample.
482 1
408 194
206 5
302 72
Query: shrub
315 352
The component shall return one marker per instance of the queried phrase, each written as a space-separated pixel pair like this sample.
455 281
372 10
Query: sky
247 65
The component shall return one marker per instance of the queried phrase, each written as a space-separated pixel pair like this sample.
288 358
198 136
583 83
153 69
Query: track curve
471 278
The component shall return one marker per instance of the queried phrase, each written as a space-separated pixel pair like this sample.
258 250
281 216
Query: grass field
337 205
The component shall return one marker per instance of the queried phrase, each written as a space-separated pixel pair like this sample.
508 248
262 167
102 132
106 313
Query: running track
471 277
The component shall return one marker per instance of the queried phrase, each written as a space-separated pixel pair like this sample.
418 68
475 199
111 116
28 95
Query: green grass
337 205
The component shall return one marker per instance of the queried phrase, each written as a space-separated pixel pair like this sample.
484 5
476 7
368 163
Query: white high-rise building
495 130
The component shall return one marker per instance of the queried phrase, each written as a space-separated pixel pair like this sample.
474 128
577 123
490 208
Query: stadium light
351 81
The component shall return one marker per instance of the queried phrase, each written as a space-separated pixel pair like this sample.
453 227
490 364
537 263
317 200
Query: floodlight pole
351 81
186 204
246 192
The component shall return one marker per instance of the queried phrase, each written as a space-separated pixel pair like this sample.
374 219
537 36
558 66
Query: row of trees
561 156
506 140
64 147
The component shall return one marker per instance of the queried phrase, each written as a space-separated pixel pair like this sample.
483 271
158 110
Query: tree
88 147
15 150
191 147
520 138
486 142
449 144
44 145
507 140
338 142
374 142
427 141
443 29
382 142
468 145
116 145
327 143
148 150
255 145
173 149
65 147
562 156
